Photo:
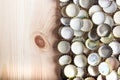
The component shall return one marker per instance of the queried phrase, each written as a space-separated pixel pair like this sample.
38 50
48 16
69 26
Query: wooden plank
28 40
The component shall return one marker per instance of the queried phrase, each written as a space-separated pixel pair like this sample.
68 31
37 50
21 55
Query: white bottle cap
94 59
70 71
63 47
67 33
77 47
104 68
72 10
112 8
76 23
116 17
65 59
80 60
104 3
98 18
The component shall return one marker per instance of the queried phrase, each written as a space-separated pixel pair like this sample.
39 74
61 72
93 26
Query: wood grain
21 54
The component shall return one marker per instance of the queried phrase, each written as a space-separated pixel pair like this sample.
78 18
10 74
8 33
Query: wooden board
23 56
